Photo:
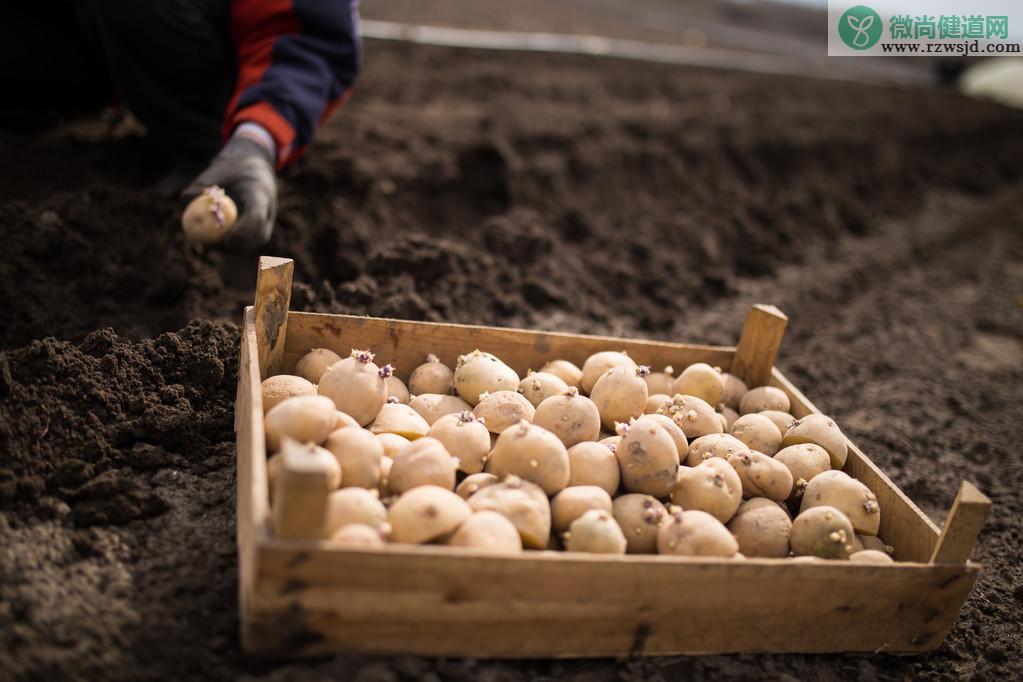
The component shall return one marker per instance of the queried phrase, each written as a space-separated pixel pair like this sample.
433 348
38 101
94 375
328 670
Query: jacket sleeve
297 61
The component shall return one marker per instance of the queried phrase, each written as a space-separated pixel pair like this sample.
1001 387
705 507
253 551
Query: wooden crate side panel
903 525
439 603
404 344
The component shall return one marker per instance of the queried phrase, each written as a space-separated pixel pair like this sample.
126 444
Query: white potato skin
695 533
465 437
473 483
502 409
574 501
593 464
734 389
523 503
477 373
487 531
426 512
596 532
359 453
721 445
538 386
660 382
573 418
306 419
758 433
422 462
712 486
356 387
433 376
693 415
762 528
822 430
354 505
356 536
620 395
533 454
764 398
566 371
824 532
701 380
850 496
315 363
639 517
433 406
277 389
599 363
399 419
397 390
647 459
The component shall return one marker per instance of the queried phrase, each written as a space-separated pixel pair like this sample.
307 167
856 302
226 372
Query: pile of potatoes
607 458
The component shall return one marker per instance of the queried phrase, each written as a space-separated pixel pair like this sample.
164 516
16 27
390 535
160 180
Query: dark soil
521 190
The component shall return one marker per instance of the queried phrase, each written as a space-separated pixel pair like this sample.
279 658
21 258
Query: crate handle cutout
962 526
761 337
273 297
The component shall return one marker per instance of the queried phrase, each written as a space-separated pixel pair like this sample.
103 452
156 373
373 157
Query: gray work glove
244 168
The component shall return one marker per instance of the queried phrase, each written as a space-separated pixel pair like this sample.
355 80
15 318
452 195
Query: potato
734 389
304 477
384 486
758 433
521 502
850 496
533 454
762 528
356 536
306 419
465 437
693 415
538 386
572 502
701 380
209 217
712 486
396 390
764 398
677 435
433 406
823 532
343 421
426 512
655 402
392 442
359 453
639 517
487 531
870 556
573 418
591 464
479 372
647 458
804 461
354 505
611 442
473 483
599 363
314 364
762 476
564 370
660 382
595 532
729 415
695 533
356 386
724 422
783 420
721 445
401 420
433 376
422 462
502 409
620 394
821 430
277 389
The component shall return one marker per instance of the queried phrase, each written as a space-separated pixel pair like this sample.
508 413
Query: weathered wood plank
273 296
962 526
758 345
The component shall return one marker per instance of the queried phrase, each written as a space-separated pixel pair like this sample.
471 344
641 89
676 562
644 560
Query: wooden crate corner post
959 534
761 337
273 297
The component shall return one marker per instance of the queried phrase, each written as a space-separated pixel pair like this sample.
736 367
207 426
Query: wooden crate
304 598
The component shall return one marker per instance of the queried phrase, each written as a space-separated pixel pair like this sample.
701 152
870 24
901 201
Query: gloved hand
244 168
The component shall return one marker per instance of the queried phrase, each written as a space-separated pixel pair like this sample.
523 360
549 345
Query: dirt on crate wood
526 190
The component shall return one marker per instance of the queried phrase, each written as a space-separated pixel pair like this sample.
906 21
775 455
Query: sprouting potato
573 418
521 502
676 433
734 389
762 528
783 420
359 453
343 421
473 483
478 373
822 430
356 536
538 386
396 390
574 501
209 216
314 364
384 486
870 556
487 531
701 380
354 505
533 454
595 532
655 402
721 445
729 415
433 406
823 532
620 394
599 363
356 385
764 398
502 409
762 476
639 517
758 432
693 415
610 442
843 492
277 389
426 512
695 533
591 464
401 420
712 486
660 382
874 542
433 376
392 442
306 419
647 458
422 462
465 437
805 461
564 370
